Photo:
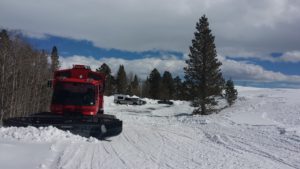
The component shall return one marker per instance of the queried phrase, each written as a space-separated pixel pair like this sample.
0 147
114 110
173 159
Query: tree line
155 86
24 73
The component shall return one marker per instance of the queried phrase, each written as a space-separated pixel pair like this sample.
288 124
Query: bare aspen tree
23 77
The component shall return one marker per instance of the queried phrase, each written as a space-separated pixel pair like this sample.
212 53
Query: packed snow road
262 130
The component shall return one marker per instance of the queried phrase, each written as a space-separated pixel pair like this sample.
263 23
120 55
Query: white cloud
68 62
230 68
245 71
293 56
256 25
33 34
289 56
142 67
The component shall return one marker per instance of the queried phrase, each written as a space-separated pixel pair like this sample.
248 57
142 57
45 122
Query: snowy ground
262 130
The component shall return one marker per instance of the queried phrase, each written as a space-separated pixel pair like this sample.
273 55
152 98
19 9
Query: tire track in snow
176 145
258 145
173 145
166 142
76 156
139 141
69 158
154 147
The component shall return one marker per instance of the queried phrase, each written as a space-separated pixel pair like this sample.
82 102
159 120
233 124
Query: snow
262 130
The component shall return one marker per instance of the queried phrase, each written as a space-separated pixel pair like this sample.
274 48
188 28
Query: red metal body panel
83 75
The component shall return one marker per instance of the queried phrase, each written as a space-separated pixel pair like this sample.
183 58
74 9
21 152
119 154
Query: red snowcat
76 106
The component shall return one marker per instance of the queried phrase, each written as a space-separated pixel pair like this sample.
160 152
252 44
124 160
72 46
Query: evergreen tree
121 80
154 84
135 87
167 86
186 92
178 89
109 85
129 80
54 59
202 73
104 68
145 88
230 92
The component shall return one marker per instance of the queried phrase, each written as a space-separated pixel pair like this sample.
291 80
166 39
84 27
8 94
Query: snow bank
42 134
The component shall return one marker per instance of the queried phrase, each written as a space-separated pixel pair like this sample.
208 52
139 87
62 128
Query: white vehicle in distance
125 99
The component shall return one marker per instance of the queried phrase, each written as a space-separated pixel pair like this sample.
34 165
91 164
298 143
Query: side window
94 76
63 74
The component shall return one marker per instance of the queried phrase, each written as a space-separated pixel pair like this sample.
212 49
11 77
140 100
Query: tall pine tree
154 84
178 89
145 88
134 86
54 59
167 86
202 73
109 86
121 80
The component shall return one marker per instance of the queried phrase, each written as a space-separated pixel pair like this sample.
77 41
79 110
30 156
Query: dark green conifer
154 84
178 89
167 86
145 88
135 87
230 92
109 86
121 80
202 73
54 59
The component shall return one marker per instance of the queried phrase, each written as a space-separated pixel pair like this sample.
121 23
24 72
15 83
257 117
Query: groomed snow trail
262 130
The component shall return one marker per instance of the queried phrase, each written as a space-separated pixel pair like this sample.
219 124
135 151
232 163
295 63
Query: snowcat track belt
100 127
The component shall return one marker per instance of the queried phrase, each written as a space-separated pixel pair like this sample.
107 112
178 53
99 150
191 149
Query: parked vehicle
124 99
165 102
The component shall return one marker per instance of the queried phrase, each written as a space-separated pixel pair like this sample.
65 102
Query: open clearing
262 130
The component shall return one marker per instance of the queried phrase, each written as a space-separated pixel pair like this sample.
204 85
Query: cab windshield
69 93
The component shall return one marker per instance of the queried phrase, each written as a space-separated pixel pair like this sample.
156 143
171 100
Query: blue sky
257 40
289 68
70 47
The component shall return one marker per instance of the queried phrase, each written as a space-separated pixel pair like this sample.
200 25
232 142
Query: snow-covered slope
262 130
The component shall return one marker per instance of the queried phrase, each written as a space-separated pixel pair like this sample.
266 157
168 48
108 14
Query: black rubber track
101 126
